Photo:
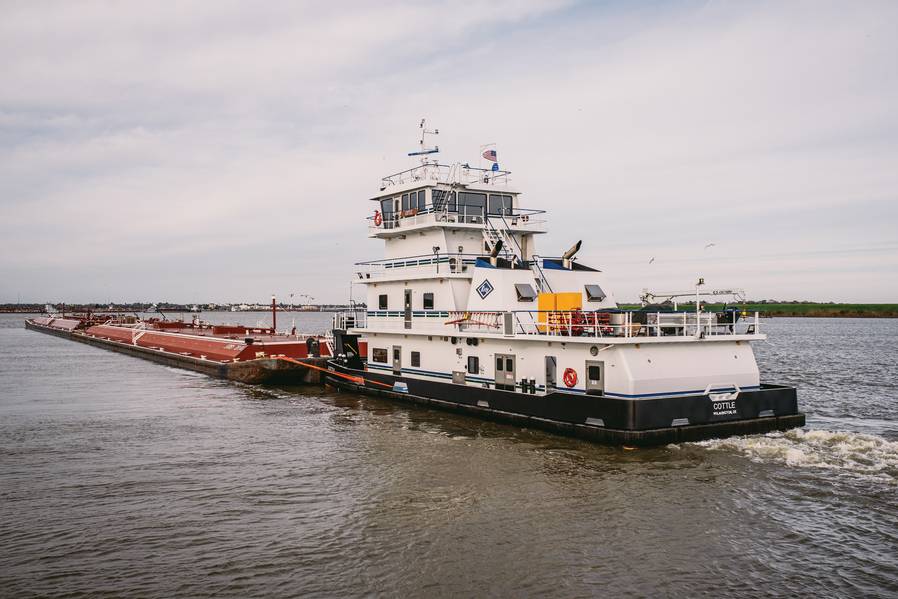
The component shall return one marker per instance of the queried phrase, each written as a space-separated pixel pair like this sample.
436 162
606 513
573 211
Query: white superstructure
463 295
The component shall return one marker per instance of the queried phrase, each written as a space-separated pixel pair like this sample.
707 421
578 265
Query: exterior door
551 373
397 359
595 377
408 308
505 371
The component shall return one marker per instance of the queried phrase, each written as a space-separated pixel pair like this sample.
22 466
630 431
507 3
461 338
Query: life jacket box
547 303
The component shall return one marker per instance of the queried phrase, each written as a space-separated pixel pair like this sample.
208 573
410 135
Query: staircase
511 249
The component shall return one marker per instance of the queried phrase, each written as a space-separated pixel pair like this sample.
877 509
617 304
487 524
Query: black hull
613 421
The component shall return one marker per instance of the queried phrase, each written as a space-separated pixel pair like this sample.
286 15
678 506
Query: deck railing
577 323
449 174
519 219
424 263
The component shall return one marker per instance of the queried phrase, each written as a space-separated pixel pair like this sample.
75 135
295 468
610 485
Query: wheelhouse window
422 200
405 202
379 354
439 198
428 301
525 292
473 364
594 293
416 358
499 204
382 301
386 208
471 206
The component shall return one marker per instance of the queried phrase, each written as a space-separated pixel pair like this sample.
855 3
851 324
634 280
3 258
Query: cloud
223 151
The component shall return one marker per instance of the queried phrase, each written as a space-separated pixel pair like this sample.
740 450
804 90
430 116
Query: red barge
234 352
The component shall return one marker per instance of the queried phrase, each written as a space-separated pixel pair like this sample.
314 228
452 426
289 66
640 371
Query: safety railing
449 174
349 319
520 219
626 324
421 264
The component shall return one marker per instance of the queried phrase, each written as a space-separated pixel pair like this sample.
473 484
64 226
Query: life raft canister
570 377
378 219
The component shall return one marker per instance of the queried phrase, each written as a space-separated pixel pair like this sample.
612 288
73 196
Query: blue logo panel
484 289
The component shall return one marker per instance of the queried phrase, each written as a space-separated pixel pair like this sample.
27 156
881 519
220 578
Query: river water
123 478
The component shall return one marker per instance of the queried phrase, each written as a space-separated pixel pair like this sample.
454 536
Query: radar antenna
423 151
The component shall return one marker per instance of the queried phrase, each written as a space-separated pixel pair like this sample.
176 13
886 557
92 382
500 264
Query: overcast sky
189 151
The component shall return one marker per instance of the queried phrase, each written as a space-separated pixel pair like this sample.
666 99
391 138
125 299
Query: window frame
415 359
375 352
383 301
475 362
424 298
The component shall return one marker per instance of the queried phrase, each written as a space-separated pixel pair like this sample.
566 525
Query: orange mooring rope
358 380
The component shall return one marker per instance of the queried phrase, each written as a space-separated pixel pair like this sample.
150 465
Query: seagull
652 260
710 245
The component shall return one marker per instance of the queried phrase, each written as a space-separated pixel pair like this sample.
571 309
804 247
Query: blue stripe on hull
480 379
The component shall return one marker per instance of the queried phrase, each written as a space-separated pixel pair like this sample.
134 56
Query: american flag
490 155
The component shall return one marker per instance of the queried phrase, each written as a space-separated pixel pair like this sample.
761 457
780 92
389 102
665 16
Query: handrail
599 323
443 173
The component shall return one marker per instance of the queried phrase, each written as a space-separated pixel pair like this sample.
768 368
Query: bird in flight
710 245
652 260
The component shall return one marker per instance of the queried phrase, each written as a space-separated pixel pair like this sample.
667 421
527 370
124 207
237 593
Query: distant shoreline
767 310
804 310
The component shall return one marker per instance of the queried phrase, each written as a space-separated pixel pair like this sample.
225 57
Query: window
421 200
439 197
594 293
405 202
473 364
386 207
416 358
443 200
498 364
379 354
471 206
594 373
428 301
509 365
382 301
525 292
500 204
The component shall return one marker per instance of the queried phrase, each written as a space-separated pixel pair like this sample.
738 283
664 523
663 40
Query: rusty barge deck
233 353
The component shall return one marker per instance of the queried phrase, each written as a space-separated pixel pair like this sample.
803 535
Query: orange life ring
570 377
378 219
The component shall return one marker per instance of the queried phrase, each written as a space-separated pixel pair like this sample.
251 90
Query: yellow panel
544 302
568 301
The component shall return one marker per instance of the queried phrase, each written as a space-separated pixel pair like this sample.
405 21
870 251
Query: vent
525 292
594 293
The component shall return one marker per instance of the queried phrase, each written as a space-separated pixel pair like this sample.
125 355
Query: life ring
570 377
378 219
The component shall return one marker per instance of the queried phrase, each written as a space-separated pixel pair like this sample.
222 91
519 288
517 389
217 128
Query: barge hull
542 412
261 370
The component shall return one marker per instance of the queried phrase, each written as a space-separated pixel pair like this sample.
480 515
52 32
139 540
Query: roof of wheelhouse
460 176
